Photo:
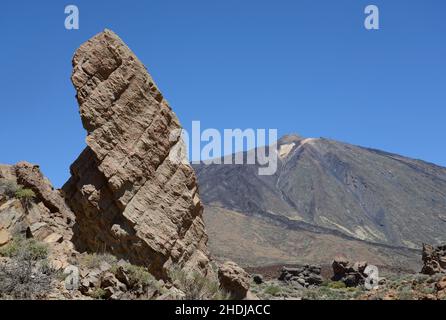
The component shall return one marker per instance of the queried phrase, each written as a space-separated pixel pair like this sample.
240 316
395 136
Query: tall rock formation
129 198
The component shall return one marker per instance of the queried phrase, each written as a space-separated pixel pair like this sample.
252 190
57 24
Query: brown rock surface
434 259
29 176
128 197
46 218
352 274
234 280
7 172
5 237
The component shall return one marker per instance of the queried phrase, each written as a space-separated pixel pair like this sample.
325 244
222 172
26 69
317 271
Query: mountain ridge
324 186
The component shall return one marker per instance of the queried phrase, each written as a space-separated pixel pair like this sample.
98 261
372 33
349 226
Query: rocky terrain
128 223
345 280
327 198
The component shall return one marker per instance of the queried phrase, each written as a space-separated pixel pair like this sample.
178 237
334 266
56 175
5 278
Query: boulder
130 192
53 237
5 237
123 276
308 275
108 279
234 280
340 265
352 274
441 284
434 259
257 278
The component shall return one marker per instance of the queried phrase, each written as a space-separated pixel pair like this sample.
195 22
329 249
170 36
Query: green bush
10 249
94 260
24 193
27 274
273 290
139 275
311 294
420 278
325 293
336 285
98 293
428 290
26 196
325 283
405 293
196 286
30 248
8 188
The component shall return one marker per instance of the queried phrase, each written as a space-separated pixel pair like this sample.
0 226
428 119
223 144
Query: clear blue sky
304 66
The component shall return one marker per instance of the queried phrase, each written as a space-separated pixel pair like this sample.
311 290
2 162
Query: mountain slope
332 188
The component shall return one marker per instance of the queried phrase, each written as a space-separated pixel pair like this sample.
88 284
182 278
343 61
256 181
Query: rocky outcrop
45 218
306 276
129 197
434 259
29 176
119 281
351 274
234 280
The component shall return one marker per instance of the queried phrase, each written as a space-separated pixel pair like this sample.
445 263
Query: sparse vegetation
329 293
11 189
94 260
272 290
336 285
98 293
27 274
33 249
328 290
26 196
420 278
8 188
405 293
139 275
197 287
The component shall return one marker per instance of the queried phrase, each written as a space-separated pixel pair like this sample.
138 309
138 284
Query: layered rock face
129 198
46 218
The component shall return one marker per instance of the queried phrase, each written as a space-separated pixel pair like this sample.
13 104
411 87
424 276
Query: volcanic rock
234 280
351 274
308 275
45 218
130 196
434 259
258 279
333 196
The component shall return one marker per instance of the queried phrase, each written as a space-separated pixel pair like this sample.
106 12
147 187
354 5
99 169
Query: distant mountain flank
328 188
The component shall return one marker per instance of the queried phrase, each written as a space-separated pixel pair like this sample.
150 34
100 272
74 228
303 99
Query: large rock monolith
129 197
